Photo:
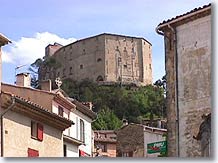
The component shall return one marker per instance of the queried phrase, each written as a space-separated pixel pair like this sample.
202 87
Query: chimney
125 122
46 85
23 79
88 104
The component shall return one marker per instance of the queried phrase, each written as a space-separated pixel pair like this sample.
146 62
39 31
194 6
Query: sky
32 25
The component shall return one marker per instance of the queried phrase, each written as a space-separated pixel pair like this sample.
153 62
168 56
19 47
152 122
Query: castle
104 58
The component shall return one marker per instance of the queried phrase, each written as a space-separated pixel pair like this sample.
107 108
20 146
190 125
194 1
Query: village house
77 138
29 130
133 139
105 143
187 40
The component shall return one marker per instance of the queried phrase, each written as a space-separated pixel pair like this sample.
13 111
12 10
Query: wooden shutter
39 132
32 153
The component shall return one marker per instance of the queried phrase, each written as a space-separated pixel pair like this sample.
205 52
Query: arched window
99 60
99 78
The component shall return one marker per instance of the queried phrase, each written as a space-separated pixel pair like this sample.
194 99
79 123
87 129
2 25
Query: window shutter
32 153
39 132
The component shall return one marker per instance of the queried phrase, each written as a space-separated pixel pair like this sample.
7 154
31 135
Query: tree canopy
131 103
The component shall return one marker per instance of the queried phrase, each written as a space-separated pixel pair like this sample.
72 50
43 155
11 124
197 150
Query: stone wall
194 81
130 138
193 51
105 57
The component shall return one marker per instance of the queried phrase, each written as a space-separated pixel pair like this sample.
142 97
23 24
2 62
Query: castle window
99 78
71 55
71 70
124 49
125 66
99 60
81 66
64 72
150 66
84 51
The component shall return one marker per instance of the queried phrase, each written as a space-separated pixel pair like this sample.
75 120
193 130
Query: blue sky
31 25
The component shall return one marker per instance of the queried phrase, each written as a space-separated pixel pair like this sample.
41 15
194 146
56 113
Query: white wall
72 150
150 137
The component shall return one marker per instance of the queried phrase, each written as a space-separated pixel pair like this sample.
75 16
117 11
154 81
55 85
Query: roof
83 109
56 94
4 40
35 110
186 17
102 34
65 101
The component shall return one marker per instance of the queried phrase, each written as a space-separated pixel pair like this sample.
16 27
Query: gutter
2 114
176 69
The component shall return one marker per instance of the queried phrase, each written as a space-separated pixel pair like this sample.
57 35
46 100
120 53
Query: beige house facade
77 138
104 58
188 71
29 130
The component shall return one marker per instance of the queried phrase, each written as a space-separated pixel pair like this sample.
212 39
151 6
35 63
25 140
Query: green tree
106 120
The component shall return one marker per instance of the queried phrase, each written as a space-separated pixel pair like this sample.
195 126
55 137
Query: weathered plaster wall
17 138
194 81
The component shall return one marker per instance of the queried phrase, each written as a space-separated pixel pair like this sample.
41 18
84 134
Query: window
81 66
99 78
65 150
125 66
150 66
127 154
84 52
103 147
71 70
58 74
32 153
125 49
82 131
99 60
36 131
60 111
64 72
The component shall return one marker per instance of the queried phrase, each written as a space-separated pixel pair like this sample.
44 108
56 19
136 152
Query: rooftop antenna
16 68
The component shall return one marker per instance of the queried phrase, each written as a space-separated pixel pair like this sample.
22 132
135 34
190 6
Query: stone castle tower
105 58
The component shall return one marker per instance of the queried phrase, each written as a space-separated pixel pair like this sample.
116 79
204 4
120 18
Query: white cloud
28 49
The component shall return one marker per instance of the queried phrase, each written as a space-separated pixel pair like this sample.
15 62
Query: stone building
187 40
132 140
105 58
105 143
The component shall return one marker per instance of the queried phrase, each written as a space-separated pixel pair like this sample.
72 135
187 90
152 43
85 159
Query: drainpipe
2 114
176 90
